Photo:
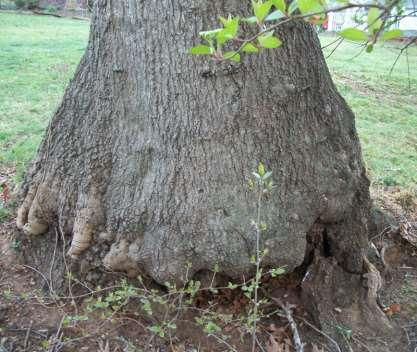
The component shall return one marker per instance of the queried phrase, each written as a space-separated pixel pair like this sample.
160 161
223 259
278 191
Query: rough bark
145 164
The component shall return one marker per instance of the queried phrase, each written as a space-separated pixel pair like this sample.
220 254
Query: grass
39 55
385 106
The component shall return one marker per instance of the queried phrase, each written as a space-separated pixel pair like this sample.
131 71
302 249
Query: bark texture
144 166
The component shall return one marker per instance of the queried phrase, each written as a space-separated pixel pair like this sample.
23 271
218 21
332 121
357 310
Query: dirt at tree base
30 317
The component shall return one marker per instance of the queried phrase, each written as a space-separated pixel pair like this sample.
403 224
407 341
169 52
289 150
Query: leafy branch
218 43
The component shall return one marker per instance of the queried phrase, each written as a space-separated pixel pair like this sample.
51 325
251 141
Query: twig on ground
46 14
42 13
382 233
287 308
260 345
56 341
41 274
361 343
383 250
32 332
298 345
231 348
320 332
25 343
51 268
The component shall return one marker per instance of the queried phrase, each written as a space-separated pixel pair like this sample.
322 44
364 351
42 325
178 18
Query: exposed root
119 258
35 214
373 280
35 227
87 221
23 211
39 206
83 233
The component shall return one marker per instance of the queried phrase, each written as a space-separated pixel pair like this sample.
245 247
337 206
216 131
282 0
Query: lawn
385 106
39 54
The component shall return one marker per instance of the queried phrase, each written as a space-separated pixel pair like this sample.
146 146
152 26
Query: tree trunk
146 162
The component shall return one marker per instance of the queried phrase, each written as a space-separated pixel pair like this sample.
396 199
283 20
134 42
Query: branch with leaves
226 43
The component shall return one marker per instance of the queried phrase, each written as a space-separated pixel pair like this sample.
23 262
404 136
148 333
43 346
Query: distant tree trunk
144 166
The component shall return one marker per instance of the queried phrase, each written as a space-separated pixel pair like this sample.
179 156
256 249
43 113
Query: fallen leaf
395 308
392 309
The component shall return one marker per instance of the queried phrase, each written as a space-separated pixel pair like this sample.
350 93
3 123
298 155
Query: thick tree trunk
146 162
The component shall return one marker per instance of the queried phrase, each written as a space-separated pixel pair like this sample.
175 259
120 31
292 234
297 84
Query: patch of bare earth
33 319
395 252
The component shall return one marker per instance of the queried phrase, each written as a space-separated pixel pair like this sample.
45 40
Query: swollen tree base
145 165
147 159
338 302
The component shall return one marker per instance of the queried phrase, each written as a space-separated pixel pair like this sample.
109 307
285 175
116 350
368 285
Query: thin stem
303 16
258 264
411 41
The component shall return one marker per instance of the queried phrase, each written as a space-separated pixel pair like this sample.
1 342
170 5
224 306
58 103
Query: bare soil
32 318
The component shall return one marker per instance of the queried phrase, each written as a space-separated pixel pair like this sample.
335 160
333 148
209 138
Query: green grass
39 55
385 106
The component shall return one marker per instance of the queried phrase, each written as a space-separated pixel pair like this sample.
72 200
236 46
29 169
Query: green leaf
261 9
250 48
374 19
261 169
231 25
256 176
293 7
201 50
232 55
280 5
211 328
156 329
354 34
309 6
269 41
392 34
210 34
252 19
276 272
374 22
369 48
222 36
228 32
273 16
267 175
